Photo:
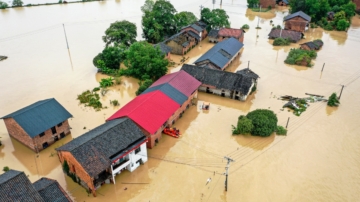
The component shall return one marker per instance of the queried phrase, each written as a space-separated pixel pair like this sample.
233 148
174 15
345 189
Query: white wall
135 157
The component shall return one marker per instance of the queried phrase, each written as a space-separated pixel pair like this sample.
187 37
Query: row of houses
15 186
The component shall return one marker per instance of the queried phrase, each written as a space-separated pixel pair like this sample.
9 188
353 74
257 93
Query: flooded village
318 159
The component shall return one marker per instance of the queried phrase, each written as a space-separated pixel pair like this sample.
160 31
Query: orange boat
173 132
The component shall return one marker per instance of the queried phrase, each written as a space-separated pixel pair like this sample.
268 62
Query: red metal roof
230 32
180 80
150 110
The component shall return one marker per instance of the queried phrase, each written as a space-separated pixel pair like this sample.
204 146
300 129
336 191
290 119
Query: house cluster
295 26
187 38
15 186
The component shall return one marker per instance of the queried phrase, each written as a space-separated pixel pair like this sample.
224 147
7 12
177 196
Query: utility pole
341 91
249 64
227 169
323 67
66 37
259 17
220 3
287 123
214 2
201 7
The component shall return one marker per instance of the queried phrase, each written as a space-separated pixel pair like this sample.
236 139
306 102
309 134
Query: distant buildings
236 86
221 55
15 186
38 125
218 35
96 157
298 21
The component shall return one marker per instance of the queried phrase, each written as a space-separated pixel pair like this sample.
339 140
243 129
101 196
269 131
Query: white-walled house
96 157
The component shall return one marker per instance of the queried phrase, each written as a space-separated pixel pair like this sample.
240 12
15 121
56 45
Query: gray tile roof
222 52
50 190
294 36
213 33
95 149
197 28
15 186
193 34
170 91
299 13
220 79
163 47
249 73
201 24
40 116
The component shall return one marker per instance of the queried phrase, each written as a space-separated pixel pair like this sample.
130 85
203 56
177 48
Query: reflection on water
338 36
330 110
254 142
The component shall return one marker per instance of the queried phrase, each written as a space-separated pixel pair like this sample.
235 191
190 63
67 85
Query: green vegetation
6 168
91 99
144 85
111 56
143 61
117 80
333 100
114 102
281 130
300 57
281 42
215 18
253 89
104 83
260 122
158 20
253 3
120 32
245 26
66 167
3 5
301 107
184 18
17 3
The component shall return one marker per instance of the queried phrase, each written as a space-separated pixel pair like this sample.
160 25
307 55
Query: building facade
298 21
218 35
38 125
96 157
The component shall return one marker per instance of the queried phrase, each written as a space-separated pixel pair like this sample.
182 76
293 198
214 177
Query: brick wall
79 170
357 3
18 133
296 24
267 3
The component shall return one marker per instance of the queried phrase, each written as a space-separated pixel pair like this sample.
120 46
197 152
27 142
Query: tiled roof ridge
30 108
16 174
52 182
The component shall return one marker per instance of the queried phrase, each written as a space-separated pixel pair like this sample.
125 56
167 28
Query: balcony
120 166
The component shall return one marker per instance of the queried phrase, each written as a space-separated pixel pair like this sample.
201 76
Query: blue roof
222 52
170 91
40 116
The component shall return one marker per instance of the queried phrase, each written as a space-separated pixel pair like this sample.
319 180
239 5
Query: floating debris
3 57
299 105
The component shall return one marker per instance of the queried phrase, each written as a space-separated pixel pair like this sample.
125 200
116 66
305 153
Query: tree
297 5
244 125
158 20
338 2
6 168
184 18
253 3
142 59
112 56
264 122
342 25
120 32
143 86
3 5
17 3
216 18
333 100
349 9
317 9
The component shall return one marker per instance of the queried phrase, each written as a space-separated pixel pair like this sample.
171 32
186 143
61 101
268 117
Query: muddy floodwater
319 159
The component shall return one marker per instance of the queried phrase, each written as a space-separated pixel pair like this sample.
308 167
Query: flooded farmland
317 161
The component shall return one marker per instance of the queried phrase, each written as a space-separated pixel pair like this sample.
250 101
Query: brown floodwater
317 161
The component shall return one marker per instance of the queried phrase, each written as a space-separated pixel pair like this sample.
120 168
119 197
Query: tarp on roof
181 81
150 110
216 54
40 116
170 91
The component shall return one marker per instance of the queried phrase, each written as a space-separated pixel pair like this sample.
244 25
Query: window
60 124
45 145
53 130
42 134
137 150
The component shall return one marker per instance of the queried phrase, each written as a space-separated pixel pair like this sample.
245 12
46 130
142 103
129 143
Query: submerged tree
3 5
17 3
333 100
184 18
264 122
111 56
120 32
216 18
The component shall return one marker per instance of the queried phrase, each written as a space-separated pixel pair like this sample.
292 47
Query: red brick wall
296 24
79 170
241 38
357 2
267 3
18 133
204 34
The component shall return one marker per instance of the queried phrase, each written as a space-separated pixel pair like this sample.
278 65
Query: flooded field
318 160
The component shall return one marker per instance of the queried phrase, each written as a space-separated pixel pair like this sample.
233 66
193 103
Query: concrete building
160 105
96 157
298 21
221 55
38 125
15 186
226 84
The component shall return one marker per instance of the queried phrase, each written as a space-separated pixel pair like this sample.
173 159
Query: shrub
106 82
333 100
91 99
342 25
264 122
328 27
245 26
117 80
66 167
244 125
96 89
281 130
114 102
143 86
281 42
6 168
235 130
300 57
